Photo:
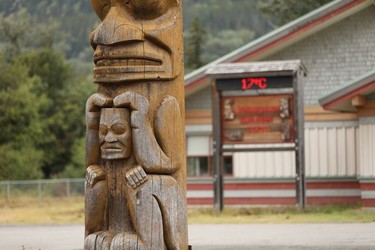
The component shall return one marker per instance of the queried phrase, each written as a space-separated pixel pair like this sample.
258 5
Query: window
198 146
199 166
199 157
228 165
202 166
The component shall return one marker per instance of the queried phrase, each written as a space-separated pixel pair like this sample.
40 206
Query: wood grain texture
312 114
257 119
135 144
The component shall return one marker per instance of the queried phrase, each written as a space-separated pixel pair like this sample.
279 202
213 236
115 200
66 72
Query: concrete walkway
207 237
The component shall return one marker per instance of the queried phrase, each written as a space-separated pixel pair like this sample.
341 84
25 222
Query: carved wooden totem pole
135 146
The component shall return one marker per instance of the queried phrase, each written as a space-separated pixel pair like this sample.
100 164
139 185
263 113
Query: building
336 43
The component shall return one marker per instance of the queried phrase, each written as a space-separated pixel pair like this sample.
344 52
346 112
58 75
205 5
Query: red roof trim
285 38
350 95
195 83
301 30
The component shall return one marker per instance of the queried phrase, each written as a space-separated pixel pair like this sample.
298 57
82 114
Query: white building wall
330 151
263 164
367 147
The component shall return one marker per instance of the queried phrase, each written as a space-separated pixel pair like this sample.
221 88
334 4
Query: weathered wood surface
135 146
257 119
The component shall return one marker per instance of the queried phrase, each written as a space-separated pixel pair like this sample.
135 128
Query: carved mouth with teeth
127 62
115 65
121 64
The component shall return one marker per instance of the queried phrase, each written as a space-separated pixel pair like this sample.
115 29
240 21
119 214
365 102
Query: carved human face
115 134
137 40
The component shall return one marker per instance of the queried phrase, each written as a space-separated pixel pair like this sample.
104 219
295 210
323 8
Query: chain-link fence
42 188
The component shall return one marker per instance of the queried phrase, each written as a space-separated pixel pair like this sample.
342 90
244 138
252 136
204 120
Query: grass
42 211
71 210
312 214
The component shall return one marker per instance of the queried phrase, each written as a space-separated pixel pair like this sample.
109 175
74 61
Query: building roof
285 67
341 99
280 38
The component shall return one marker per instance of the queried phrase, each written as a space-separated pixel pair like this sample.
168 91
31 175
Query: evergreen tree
193 45
280 12
225 41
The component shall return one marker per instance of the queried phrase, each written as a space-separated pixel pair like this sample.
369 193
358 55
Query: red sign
257 119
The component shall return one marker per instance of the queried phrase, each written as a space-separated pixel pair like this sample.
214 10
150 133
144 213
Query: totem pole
135 147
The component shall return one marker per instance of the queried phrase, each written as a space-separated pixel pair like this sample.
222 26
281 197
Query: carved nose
115 29
110 137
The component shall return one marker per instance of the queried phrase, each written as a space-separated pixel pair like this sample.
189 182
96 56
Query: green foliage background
45 71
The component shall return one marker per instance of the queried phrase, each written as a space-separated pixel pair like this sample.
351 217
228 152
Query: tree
280 12
75 167
22 31
216 16
63 115
225 41
194 43
42 116
21 126
42 96
227 24
13 29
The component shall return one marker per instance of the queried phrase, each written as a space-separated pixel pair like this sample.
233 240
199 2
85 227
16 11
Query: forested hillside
70 21
45 73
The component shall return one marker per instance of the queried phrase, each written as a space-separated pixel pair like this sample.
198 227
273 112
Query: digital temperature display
254 83
248 83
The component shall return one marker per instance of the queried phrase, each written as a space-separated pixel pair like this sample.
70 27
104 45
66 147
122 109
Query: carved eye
101 7
149 9
103 129
119 128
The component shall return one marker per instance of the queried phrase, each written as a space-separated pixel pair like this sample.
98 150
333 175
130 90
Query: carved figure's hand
93 106
94 173
147 143
139 105
136 176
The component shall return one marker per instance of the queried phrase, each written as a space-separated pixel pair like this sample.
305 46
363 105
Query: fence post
68 188
39 189
8 190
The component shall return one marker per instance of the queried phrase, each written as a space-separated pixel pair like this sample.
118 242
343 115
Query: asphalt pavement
210 236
